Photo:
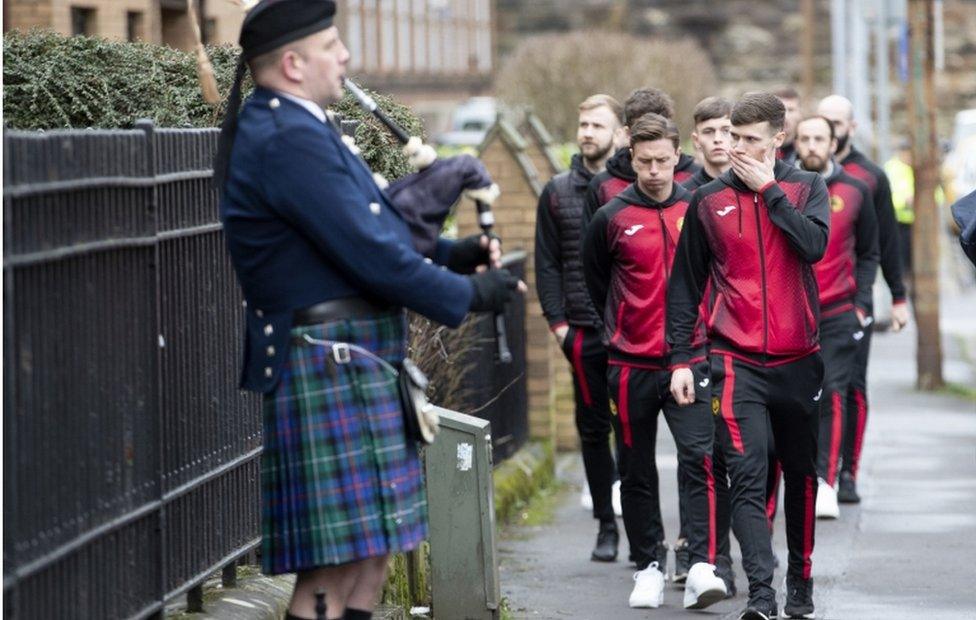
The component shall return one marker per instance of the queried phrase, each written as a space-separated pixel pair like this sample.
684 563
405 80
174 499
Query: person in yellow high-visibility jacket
901 176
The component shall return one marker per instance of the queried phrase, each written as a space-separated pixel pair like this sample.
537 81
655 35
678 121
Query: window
133 26
82 21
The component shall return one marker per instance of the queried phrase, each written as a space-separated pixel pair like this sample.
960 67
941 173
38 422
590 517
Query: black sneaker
847 489
606 543
682 560
799 598
760 610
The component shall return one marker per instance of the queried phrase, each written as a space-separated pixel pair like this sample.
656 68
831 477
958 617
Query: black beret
273 23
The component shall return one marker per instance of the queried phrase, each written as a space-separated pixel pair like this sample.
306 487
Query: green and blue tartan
340 482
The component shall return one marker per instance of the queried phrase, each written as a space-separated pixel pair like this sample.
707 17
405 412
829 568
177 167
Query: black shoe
606 543
682 560
847 489
760 610
799 598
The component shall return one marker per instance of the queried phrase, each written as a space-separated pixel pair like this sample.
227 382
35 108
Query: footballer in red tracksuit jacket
758 249
845 276
627 253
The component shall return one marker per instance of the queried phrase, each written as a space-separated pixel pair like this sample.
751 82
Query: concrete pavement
905 552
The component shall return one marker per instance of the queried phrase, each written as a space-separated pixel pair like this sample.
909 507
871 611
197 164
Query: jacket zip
762 271
664 266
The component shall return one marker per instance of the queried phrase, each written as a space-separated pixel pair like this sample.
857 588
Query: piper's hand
419 154
487 195
899 316
683 386
474 253
493 289
754 173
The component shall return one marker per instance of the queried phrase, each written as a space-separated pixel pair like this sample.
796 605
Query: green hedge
52 82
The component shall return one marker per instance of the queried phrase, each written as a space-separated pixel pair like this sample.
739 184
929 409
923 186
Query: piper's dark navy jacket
306 223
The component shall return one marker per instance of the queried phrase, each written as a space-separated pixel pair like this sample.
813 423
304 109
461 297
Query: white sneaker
615 499
648 587
827 507
586 500
703 587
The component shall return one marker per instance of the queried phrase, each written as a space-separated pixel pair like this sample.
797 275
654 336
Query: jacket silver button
274 104
375 208
271 350
268 329
260 313
268 372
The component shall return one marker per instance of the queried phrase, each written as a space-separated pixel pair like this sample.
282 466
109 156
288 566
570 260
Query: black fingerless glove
467 254
492 290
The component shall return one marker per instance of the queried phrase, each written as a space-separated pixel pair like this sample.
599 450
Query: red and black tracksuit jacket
758 248
628 250
846 273
619 174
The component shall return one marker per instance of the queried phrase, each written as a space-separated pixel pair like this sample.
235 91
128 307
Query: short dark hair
830 125
759 107
787 92
712 107
645 100
652 127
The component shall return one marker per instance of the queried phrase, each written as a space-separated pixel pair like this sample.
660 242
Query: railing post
229 575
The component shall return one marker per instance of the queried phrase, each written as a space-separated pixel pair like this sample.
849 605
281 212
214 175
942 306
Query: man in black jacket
568 309
840 112
755 233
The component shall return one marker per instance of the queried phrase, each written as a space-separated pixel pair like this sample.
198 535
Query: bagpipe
426 197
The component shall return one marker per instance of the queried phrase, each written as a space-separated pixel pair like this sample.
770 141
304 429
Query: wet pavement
905 552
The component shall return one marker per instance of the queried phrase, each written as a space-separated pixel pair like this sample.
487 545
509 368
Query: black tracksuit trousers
637 395
857 405
588 358
839 339
786 397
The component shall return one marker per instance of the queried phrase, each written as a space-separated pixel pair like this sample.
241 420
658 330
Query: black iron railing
130 456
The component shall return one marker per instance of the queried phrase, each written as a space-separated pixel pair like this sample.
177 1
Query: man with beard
844 278
840 112
627 254
791 101
620 173
755 233
568 309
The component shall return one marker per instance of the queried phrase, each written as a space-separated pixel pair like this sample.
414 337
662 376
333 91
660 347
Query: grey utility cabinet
463 560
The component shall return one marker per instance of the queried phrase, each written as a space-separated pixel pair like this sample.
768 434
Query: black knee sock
357 614
291 616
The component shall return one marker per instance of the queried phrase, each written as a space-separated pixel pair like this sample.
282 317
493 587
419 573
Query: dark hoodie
758 248
608 183
628 250
698 179
847 271
685 168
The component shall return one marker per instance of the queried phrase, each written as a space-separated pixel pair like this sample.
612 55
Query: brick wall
503 154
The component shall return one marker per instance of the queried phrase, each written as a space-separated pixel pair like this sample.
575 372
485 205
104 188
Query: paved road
907 551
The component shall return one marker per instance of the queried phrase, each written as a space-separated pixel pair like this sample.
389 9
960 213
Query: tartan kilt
340 482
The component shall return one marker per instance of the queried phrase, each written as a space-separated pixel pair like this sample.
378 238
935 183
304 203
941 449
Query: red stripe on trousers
710 487
578 366
837 411
773 495
808 510
622 406
862 420
727 388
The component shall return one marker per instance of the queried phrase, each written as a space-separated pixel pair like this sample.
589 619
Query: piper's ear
779 138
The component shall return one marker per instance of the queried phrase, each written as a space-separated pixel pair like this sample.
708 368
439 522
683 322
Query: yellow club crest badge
613 407
680 223
716 405
836 204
